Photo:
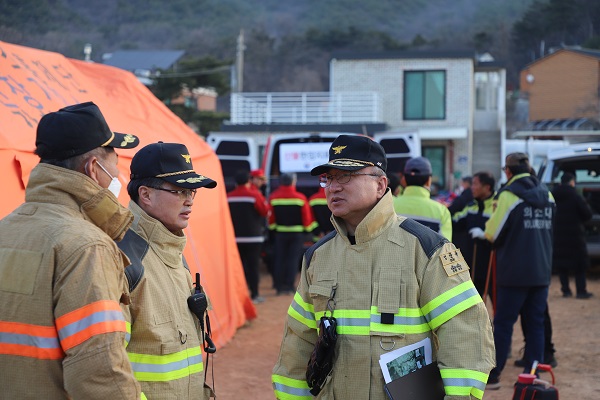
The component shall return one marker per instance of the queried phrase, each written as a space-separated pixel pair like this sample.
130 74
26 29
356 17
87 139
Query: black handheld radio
198 304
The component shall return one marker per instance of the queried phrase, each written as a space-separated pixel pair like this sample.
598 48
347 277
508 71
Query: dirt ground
242 368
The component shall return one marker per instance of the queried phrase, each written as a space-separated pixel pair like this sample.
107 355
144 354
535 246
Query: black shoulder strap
430 240
309 253
135 248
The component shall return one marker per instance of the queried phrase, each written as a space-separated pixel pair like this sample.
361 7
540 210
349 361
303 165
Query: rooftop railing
305 108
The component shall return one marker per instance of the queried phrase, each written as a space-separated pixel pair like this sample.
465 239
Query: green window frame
424 95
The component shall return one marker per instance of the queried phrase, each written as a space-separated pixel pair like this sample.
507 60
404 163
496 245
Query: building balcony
305 108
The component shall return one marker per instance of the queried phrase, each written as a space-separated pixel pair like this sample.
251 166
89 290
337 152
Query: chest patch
453 262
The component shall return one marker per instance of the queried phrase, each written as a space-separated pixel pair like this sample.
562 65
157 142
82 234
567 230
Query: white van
298 153
236 152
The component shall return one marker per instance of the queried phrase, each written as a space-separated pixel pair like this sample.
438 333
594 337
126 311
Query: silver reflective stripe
298 308
464 382
29 340
84 323
168 367
448 304
292 390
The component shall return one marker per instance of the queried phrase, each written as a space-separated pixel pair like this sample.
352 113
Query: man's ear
382 185
90 168
145 196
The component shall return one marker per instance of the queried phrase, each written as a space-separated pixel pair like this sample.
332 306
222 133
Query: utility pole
239 62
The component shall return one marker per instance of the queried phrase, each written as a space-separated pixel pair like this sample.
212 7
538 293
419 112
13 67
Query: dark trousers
530 302
250 255
578 270
548 345
288 255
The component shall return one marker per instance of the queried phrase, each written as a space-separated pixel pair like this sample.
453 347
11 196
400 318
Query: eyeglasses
504 168
184 194
326 180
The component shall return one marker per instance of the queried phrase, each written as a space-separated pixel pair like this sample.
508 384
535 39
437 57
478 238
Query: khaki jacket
62 331
165 345
396 286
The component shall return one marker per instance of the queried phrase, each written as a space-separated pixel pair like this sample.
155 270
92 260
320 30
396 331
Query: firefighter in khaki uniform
61 274
394 286
165 348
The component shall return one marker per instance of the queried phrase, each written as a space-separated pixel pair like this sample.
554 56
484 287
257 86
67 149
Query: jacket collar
417 191
76 191
167 245
377 221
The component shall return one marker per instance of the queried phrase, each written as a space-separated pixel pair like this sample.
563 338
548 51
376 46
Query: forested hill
288 42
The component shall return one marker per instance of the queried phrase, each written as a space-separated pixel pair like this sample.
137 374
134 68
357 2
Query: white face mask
115 185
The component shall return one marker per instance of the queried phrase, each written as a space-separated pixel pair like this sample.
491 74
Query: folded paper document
410 374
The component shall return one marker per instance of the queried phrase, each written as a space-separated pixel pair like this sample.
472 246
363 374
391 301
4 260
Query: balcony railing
305 108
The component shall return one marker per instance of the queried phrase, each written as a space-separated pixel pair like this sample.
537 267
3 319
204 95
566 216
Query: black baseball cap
418 166
351 153
170 162
75 130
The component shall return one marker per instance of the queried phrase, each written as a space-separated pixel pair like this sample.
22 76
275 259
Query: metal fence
305 108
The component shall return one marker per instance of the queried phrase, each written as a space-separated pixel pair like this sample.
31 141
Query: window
424 95
437 156
486 90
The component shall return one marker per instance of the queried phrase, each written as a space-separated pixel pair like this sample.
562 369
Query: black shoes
493 383
568 294
584 295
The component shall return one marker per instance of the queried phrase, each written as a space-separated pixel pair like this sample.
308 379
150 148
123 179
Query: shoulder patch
453 262
430 240
135 248
309 253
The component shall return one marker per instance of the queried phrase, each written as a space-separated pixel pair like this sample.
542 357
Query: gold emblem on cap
346 162
127 139
196 179
338 149
187 157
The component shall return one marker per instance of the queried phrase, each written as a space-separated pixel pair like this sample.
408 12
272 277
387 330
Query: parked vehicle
235 153
298 153
582 160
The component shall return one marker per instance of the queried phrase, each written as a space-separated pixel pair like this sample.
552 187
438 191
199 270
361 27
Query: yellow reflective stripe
143 396
302 311
364 322
127 332
451 303
312 226
318 202
287 202
287 228
290 389
406 320
464 382
162 368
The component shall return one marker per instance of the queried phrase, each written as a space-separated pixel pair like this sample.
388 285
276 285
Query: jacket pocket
19 269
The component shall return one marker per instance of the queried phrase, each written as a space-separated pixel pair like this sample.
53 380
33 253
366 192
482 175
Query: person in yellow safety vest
165 347
415 201
61 274
474 215
389 282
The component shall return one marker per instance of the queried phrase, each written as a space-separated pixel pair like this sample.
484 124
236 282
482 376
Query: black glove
321 359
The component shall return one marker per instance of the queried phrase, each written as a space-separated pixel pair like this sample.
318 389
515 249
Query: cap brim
191 180
338 164
123 141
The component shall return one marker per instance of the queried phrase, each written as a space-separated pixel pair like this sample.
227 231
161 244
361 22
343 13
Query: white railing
305 108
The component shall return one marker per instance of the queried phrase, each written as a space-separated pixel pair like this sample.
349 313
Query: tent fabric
34 82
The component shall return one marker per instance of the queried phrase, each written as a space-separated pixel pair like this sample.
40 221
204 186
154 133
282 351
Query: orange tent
35 82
